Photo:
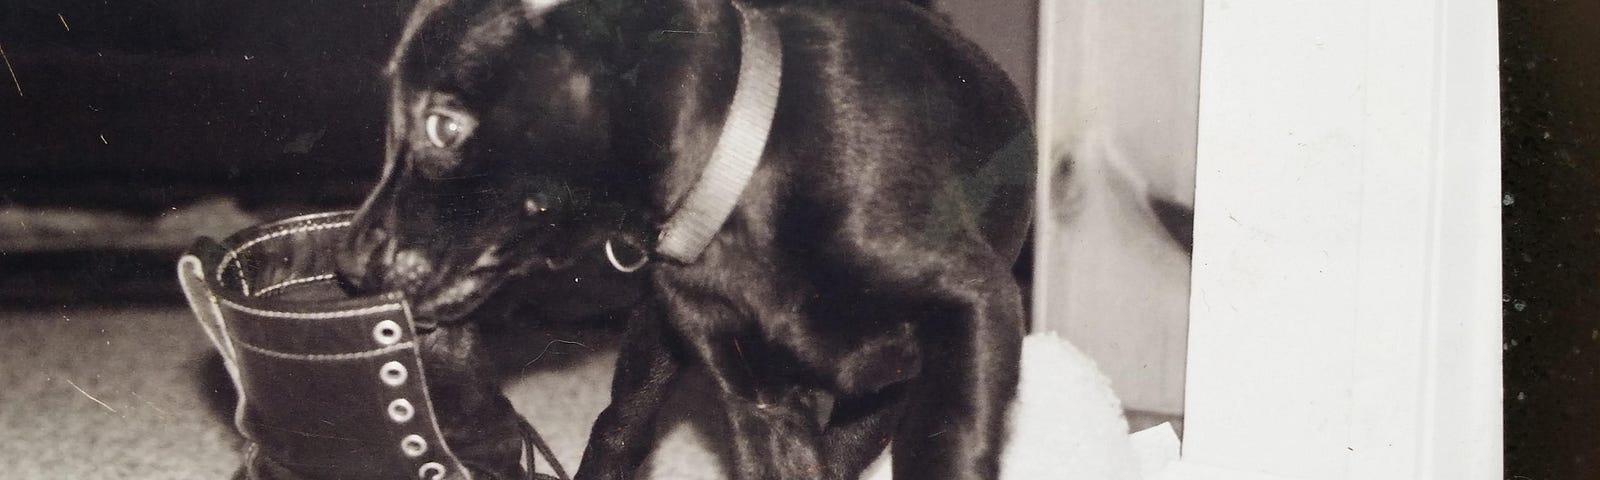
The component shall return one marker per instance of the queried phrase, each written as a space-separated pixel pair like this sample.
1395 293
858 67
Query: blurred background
127 128
1118 111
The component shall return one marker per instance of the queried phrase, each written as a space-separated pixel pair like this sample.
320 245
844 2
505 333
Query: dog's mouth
456 298
463 281
458 295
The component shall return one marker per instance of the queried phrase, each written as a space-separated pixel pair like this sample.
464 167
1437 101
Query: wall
1006 29
1119 92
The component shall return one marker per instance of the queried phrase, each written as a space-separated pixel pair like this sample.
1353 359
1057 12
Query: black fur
862 291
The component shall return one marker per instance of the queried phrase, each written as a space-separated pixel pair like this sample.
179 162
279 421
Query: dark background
1551 169
140 124
133 125
276 107
192 97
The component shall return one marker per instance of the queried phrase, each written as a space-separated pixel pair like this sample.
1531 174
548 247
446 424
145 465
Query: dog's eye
447 130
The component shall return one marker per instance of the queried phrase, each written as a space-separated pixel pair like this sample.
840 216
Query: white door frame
1345 315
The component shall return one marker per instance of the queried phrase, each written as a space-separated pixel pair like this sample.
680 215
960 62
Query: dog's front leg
777 441
859 430
623 434
774 427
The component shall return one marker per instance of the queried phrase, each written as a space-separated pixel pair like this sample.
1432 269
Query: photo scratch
148 402
547 349
9 69
91 397
64 22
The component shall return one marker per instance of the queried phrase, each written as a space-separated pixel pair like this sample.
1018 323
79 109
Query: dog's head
500 152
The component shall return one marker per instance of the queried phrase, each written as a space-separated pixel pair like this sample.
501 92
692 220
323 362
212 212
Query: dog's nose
362 260
409 270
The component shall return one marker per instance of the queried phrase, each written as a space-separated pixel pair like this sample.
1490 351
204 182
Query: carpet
112 394
137 393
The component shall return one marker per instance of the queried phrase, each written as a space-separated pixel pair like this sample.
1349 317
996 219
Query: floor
108 394
135 392
128 393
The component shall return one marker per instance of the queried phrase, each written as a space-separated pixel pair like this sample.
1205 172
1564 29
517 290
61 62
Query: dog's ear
419 13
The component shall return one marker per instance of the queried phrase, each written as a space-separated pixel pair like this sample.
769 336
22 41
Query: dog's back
896 79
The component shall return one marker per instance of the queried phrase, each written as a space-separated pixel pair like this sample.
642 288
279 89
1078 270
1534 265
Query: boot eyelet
386 332
400 410
393 374
431 471
413 445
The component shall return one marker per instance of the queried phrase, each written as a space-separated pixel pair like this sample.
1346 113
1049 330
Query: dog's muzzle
330 387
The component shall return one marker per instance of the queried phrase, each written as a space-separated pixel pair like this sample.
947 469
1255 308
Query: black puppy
858 292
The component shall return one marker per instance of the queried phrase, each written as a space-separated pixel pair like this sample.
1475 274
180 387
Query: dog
855 291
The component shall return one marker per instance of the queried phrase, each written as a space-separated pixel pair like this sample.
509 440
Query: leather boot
344 388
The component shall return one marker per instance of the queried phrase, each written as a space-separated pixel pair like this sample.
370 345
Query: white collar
711 199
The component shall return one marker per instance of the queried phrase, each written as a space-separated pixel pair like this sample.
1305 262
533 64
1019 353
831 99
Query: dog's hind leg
955 419
624 433
954 423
